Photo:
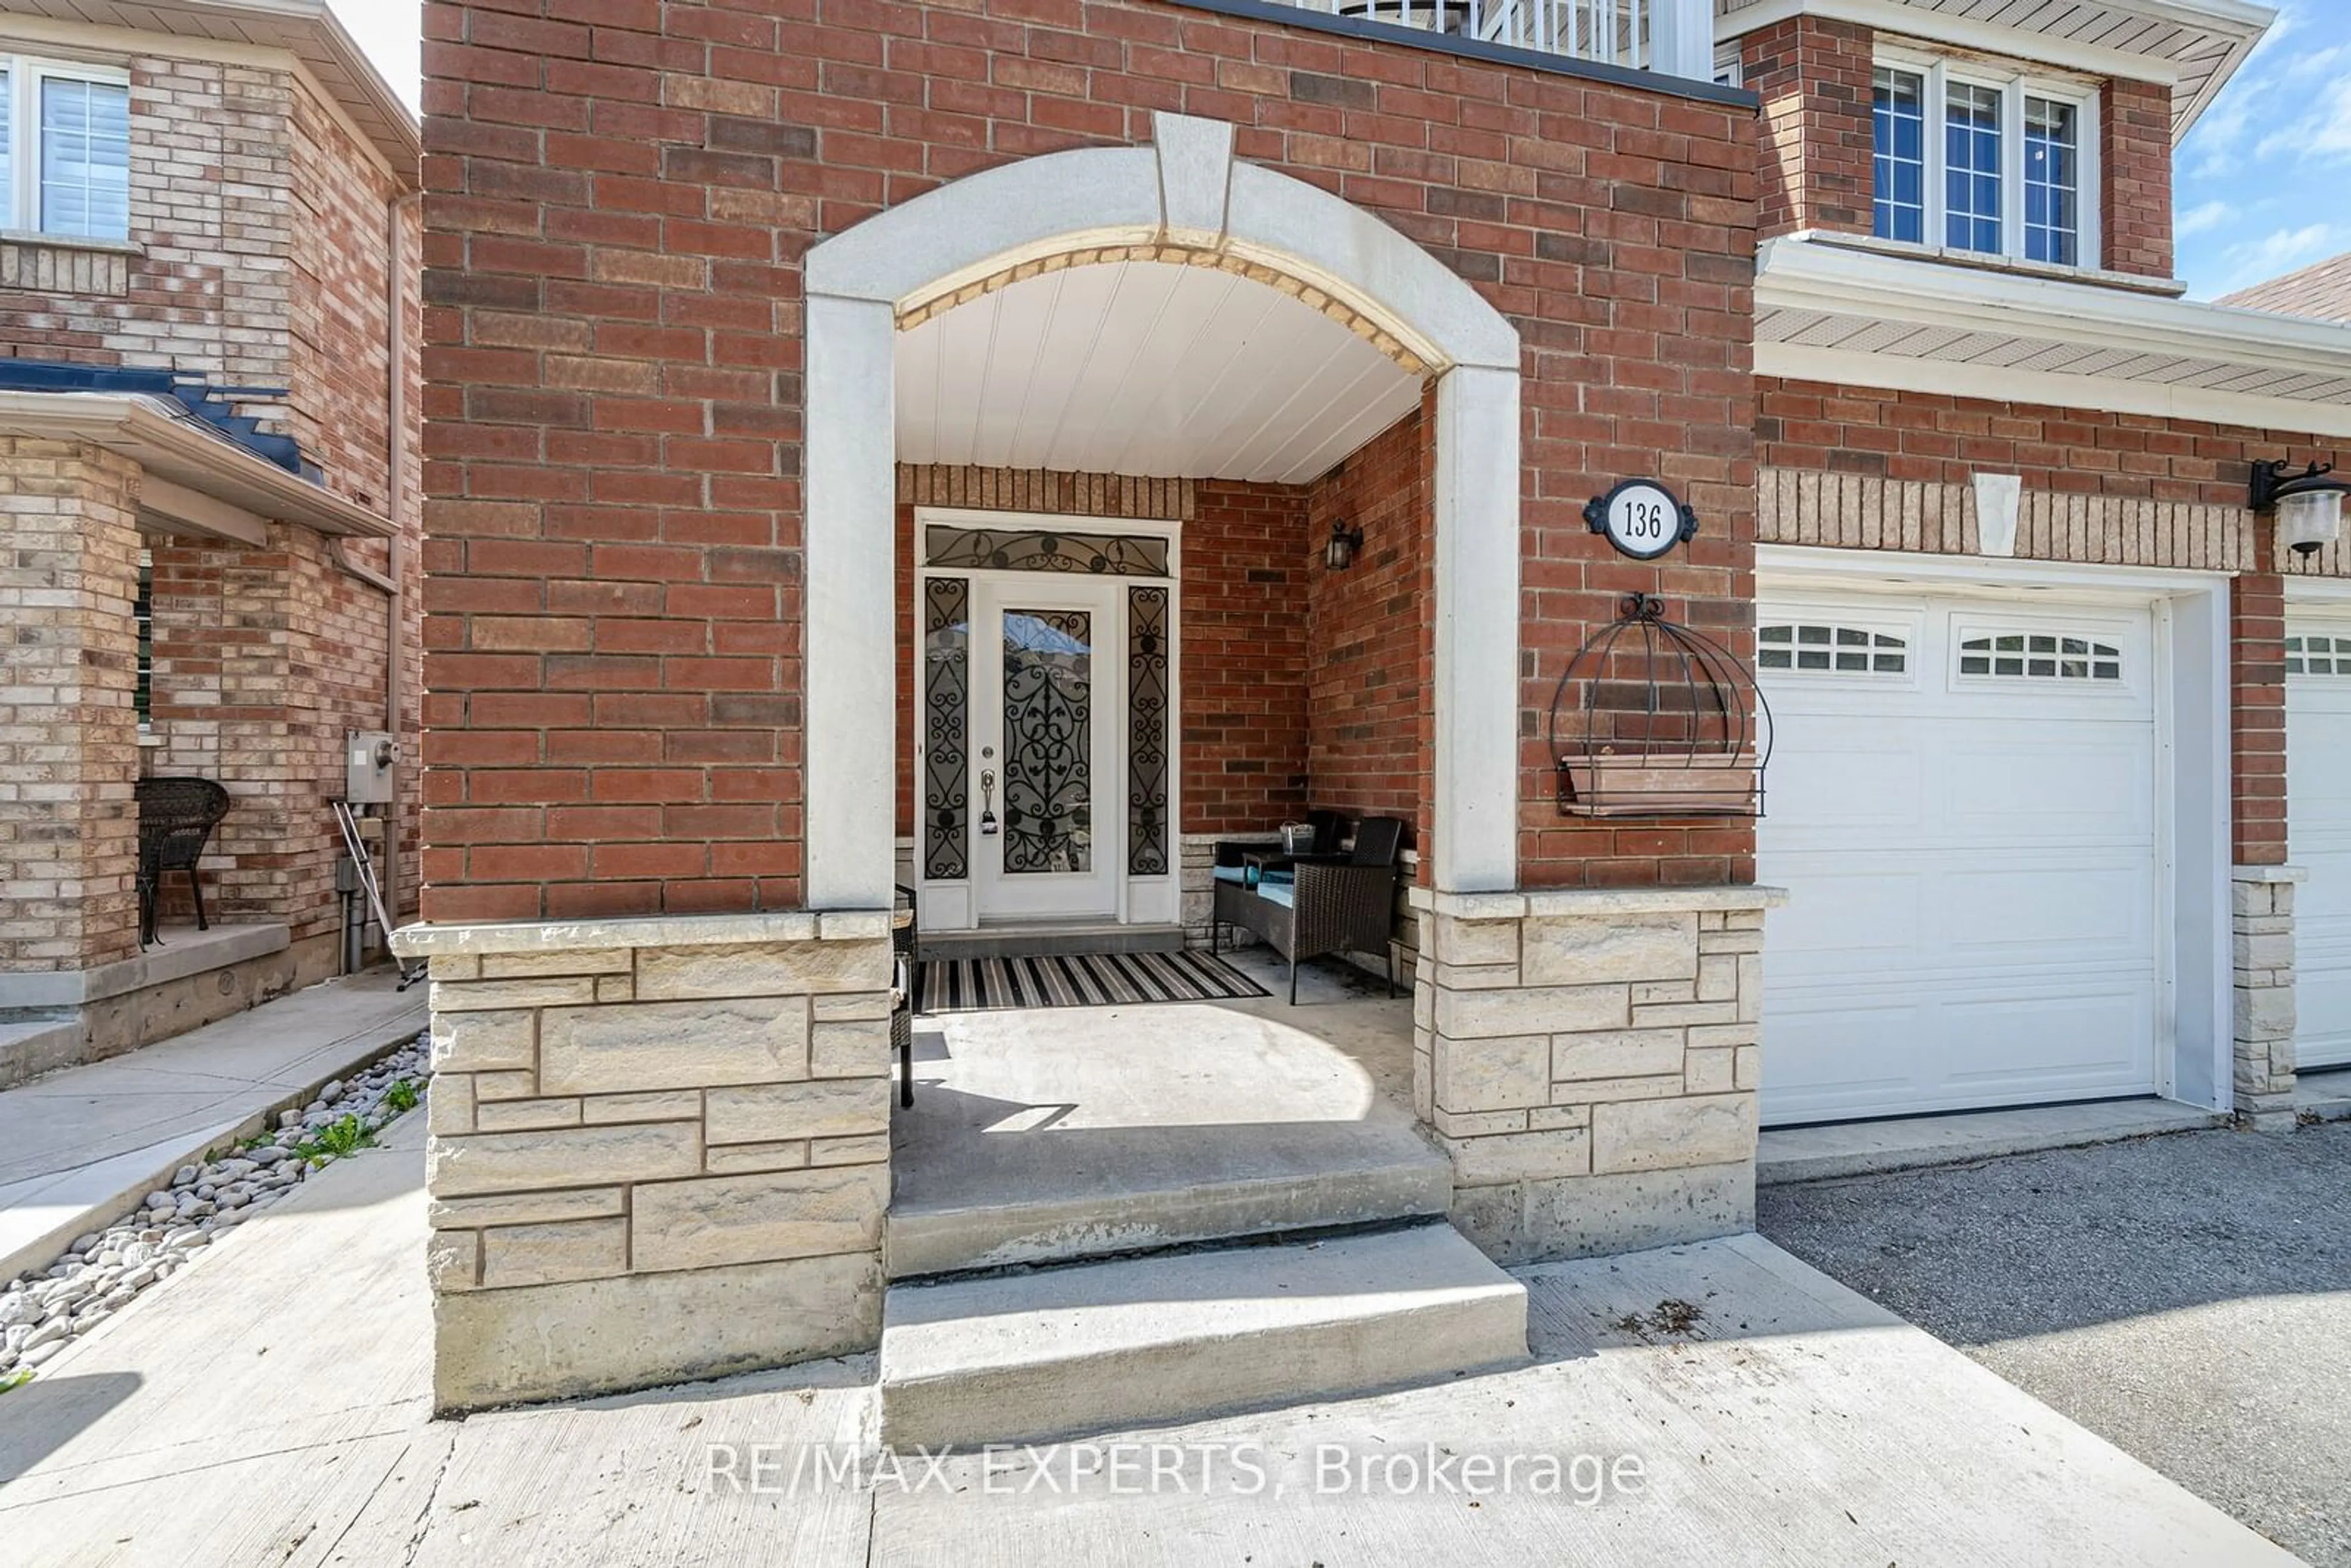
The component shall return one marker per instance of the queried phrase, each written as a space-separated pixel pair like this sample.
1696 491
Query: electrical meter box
368 758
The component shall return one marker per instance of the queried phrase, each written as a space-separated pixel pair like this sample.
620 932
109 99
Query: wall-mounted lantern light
2309 504
1340 553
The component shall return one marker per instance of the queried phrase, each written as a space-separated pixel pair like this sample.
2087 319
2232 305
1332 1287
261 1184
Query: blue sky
2262 183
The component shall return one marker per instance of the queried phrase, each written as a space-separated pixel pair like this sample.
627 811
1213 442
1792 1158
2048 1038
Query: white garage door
1962 804
2318 831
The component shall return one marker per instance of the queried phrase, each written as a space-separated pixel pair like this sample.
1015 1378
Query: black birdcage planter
1653 719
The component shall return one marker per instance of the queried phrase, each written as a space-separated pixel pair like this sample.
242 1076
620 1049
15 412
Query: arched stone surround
1188 196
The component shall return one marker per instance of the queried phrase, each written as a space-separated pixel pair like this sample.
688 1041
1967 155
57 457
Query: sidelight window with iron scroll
1146 726
1049 700
947 705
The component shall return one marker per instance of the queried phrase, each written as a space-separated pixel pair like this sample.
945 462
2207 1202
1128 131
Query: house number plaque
1641 518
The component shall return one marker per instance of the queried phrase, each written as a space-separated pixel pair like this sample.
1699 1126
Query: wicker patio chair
1333 904
176 819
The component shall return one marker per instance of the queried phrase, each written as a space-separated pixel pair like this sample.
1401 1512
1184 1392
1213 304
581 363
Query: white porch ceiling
1144 368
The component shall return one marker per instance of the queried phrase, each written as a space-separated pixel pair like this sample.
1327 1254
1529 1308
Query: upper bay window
65 150
1971 161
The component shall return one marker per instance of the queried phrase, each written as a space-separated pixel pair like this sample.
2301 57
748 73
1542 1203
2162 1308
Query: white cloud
2280 251
2321 131
2205 215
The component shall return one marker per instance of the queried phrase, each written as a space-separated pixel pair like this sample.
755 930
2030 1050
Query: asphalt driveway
2186 1297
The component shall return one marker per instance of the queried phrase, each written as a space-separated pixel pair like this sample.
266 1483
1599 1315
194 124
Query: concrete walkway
79 1147
1714 1404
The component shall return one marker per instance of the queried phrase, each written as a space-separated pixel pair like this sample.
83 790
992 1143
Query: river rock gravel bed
101 1272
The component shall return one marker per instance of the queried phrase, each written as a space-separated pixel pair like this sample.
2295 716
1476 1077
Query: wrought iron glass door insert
1049 775
1048 681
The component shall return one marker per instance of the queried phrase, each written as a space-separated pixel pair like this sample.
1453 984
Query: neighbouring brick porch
69 732
1589 1059
660 1148
269 252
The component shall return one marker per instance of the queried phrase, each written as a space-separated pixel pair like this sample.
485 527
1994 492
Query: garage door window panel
1828 649
2312 655
2039 656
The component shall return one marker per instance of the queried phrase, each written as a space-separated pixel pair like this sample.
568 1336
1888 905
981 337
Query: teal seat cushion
1285 894
1233 873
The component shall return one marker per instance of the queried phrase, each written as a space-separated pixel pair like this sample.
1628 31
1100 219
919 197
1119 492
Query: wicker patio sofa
1303 907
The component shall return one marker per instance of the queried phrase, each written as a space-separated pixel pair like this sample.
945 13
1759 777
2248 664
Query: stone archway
1186 193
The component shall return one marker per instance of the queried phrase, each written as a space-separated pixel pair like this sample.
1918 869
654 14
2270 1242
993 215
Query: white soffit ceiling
1144 368
2025 350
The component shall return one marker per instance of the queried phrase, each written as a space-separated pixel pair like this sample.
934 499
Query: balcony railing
1675 37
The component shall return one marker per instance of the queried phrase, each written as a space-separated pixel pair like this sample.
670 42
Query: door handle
987 803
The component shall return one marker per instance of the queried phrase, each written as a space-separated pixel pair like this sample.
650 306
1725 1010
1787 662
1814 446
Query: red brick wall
2257 711
1248 569
1925 435
2135 177
1814 78
1371 629
616 220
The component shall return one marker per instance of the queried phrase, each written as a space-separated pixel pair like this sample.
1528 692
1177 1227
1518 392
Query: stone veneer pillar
2261 944
659 1148
1589 1059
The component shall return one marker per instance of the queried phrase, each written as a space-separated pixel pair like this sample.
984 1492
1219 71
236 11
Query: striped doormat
1077 980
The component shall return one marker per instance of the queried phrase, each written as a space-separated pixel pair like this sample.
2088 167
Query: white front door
2318 829
1962 803
1047 691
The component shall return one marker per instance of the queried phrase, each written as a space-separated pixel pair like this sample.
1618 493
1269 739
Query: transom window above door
2041 655
1039 550
1967 159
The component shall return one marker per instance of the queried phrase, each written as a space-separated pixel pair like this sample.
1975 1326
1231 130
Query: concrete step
1121 1190
1094 1347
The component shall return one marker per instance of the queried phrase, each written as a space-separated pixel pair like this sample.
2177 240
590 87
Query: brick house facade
698 404
624 221
248 519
